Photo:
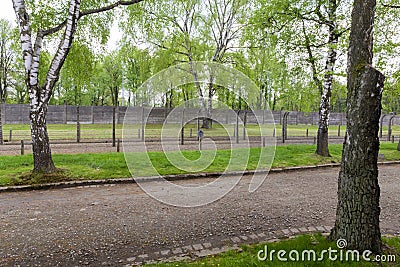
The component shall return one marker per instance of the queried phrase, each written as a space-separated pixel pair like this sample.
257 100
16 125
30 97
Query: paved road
107 225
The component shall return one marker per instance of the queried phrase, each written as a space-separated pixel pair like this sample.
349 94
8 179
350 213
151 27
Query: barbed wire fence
103 124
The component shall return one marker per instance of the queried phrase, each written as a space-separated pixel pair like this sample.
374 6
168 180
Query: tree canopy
281 45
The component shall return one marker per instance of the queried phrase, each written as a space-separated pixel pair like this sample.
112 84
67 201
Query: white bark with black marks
325 104
39 95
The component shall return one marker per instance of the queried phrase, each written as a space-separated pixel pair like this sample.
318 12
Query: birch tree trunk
39 96
357 217
42 158
325 105
211 91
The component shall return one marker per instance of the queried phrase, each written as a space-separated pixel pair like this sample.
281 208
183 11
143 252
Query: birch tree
328 19
325 86
226 23
41 92
313 29
177 28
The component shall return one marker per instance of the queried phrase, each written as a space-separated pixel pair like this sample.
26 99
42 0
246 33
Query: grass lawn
112 165
104 131
317 242
64 131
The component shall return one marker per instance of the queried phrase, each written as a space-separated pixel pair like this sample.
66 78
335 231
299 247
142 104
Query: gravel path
108 225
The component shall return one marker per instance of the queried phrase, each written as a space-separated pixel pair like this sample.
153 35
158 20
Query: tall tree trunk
203 107
211 92
43 162
325 105
357 217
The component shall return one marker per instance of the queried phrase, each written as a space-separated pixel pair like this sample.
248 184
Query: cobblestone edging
194 251
107 182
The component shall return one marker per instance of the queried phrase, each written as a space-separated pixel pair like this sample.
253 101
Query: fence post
22 147
191 132
65 111
78 126
113 127
307 133
237 127
283 129
118 144
338 132
381 126
10 139
183 127
284 126
244 124
92 114
143 137
390 127
198 125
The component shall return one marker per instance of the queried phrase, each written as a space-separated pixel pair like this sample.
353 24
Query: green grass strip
316 242
112 165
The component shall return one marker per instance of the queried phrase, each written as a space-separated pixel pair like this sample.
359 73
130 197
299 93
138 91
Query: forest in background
280 45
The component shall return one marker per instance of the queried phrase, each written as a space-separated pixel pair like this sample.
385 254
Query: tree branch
62 51
311 60
168 48
88 12
390 6
107 8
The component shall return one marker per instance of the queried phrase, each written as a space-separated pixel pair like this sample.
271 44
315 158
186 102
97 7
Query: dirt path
108 225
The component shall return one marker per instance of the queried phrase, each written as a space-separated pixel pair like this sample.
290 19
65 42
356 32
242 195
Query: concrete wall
19 114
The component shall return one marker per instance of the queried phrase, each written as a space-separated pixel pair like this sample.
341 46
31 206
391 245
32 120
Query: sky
7 11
